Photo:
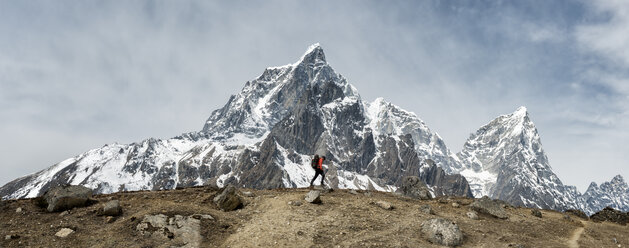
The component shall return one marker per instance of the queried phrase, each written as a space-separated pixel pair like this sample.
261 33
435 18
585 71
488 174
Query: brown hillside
344 219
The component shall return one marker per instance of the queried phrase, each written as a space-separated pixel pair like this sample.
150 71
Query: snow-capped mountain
505 160
614 193
264 138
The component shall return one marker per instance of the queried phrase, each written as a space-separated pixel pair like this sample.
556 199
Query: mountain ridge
264 135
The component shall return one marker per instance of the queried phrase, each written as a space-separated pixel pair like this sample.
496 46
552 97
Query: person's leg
315 177
322 177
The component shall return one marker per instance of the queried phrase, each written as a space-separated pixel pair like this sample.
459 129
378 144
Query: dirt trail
573 242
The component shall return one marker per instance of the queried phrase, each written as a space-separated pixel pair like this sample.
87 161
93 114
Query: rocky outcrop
66 197
486 205
179 231
442 232
227 199
611 215
314 197
414 187
443 183
112 208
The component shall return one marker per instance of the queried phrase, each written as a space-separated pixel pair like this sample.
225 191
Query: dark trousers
317 173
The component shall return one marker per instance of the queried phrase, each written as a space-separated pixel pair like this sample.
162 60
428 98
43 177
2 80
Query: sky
75 75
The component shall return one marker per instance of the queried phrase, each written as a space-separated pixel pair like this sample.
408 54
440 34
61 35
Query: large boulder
611 215
442 231
67 197
227 199
488 206
414 187
578 213
314 196
112 208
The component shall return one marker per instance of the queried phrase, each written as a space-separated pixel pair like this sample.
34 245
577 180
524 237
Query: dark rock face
228 200
67 197
445 184
414 187
611 215
488 206
442 232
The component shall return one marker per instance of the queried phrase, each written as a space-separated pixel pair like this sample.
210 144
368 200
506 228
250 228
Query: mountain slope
263 138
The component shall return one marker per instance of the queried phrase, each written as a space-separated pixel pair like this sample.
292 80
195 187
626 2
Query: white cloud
609 37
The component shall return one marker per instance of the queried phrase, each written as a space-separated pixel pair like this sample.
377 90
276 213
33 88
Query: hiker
317 165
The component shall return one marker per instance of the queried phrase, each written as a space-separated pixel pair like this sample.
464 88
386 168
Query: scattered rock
517 245
202 216
611 215
248 194
228 200
64 213
443 232
110 219
487 206
384 205
536 213
427 209
18 210
64 232
455 205
180 230
353 192
12 236
112 208
415 188
368 194
472 215
578 213
567 217
67 197
443 200
314 196
294 203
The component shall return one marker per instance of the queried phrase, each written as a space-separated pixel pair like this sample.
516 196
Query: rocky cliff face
264 138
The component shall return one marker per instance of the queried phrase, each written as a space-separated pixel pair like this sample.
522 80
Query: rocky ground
283 218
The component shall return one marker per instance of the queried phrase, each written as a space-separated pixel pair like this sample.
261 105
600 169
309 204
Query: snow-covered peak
520 112
618 180
313 55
